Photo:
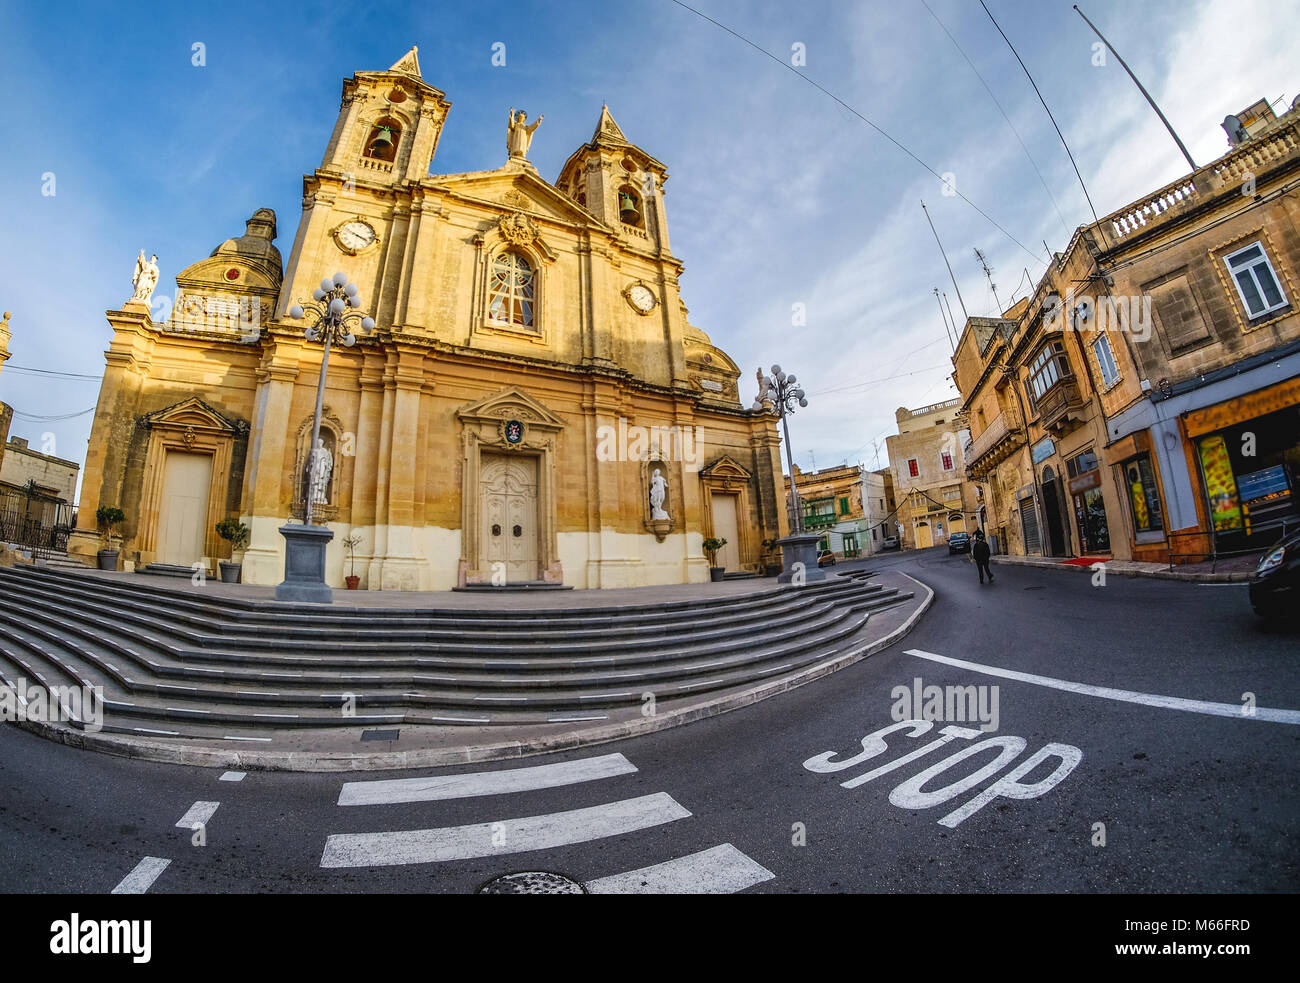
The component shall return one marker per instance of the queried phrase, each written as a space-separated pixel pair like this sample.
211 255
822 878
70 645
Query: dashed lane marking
718 870
419 846
1237 710
142 876
426 789
198 815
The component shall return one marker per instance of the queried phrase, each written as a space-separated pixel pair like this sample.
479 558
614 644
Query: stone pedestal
304 565
800 548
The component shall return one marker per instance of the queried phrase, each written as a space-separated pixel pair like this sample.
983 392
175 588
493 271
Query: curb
1224 577
146 750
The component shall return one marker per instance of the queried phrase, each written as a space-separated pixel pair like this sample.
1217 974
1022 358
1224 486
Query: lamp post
335 309
780 393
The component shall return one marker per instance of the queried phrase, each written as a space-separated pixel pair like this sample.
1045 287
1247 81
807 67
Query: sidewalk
1236 569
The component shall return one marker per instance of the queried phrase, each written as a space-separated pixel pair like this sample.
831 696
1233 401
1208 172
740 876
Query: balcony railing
819 520
1055 406
1002 427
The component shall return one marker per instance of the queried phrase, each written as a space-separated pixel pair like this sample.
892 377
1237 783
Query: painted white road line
198 815
383 792
422 846
233 776
1123 695
718 870
142 877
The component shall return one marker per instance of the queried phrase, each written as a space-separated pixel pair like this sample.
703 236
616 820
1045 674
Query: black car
1275 588
959 542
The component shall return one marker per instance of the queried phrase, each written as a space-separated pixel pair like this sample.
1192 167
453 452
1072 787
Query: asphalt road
1127 795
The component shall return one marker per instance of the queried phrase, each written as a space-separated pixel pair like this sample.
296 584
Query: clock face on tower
641 298
352 237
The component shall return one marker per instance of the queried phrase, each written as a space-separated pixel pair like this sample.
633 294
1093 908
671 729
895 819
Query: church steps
130 697
175 707
60 625
168 610
793 610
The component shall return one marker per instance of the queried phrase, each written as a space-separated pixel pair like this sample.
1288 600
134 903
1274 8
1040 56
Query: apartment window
946 458
1105 361
1257 284
912 468
844 506
1048 368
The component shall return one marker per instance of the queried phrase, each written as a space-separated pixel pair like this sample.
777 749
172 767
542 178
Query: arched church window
513 290
382 142
629 206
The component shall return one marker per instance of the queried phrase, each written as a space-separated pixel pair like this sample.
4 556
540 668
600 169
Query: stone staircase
179 664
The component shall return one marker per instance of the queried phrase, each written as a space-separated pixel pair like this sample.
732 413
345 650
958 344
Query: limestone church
530 370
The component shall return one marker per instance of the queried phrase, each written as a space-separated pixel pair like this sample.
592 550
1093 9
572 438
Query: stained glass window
512 290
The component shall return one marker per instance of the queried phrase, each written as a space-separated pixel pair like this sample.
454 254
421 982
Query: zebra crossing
722 869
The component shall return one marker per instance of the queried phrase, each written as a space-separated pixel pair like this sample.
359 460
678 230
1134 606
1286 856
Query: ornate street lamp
335 310
779 393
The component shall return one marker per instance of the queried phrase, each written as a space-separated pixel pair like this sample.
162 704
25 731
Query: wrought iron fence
33 522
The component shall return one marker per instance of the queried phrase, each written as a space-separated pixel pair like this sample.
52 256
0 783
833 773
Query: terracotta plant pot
353 582
715 574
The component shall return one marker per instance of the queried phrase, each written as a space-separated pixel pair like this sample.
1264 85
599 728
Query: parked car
889 543
825 558
959 542
1275 588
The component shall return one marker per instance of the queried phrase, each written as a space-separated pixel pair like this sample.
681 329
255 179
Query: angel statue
144 279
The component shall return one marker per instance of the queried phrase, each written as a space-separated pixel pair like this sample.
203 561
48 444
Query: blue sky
777 195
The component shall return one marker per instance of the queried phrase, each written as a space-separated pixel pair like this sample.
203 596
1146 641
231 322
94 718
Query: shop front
1247 451
1089 508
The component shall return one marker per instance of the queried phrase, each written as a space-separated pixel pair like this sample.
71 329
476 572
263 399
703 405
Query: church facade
532 405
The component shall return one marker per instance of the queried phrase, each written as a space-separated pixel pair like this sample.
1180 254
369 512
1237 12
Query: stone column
270 456
402 569
128 363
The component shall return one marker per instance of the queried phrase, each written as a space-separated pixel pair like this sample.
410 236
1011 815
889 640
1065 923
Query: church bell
627 209
382 144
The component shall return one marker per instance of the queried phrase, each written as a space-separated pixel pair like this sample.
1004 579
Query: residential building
927 465
831 501
878 510
1144 402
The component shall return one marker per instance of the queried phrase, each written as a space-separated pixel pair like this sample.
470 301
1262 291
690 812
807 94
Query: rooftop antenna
989 274
945 300
945 262
945 320
1190 163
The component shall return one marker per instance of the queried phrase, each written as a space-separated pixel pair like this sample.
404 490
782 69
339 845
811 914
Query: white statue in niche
658 492
321 466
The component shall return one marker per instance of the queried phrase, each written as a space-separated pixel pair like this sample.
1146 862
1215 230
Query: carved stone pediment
193 416
518 229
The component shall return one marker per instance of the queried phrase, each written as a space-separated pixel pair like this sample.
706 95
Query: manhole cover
380 735
532 882
1039 587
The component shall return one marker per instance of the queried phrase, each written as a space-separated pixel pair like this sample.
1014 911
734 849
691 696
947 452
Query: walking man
981 553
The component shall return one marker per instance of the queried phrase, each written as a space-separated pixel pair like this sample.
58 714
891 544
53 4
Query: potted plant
711 546
350 544
771 557
237 535
106 517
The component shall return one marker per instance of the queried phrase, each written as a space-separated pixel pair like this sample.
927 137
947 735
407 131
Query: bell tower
388 126
620 184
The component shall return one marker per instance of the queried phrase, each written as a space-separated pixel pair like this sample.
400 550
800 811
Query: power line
1032 163
1049 116
864 119
51 419
873 382
30 370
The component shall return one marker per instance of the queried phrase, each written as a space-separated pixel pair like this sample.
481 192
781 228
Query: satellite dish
1237 134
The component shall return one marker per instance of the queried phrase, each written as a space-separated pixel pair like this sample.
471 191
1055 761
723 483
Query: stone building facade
1144 402
928 468
831 503
531 369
